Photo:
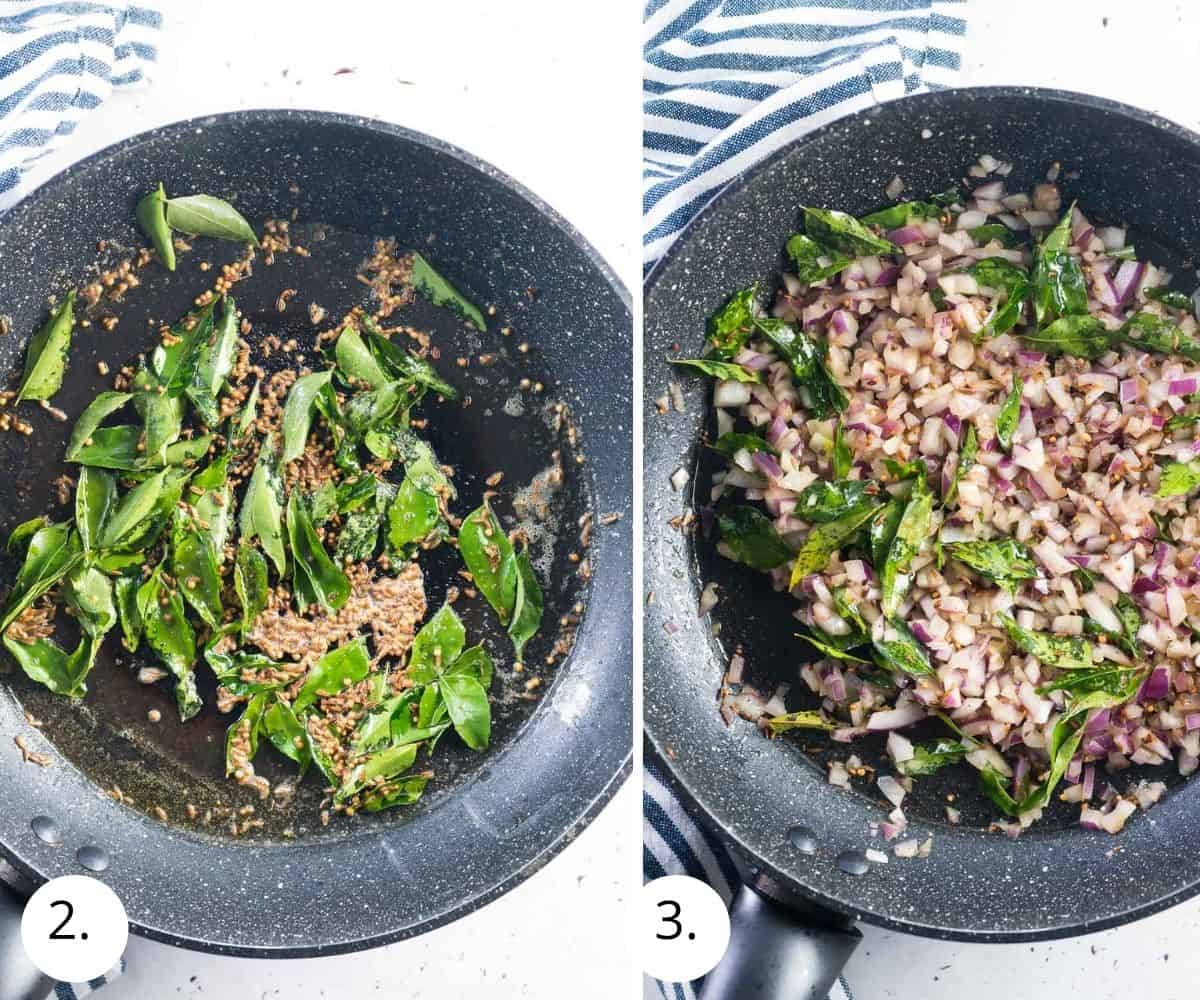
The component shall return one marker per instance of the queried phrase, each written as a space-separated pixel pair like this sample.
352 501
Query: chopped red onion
887 276
906 235
767 464
905 714
1128 280
1156 687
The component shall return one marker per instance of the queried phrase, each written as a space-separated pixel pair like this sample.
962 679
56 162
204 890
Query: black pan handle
19 978
780 948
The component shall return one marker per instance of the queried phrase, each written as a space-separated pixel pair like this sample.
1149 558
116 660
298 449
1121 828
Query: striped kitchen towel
727 82
77 991
57 62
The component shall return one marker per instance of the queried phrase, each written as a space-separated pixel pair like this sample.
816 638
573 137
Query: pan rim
694 800
603 786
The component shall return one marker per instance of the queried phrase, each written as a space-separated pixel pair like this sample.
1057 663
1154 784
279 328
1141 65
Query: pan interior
755 791
505 428
487 820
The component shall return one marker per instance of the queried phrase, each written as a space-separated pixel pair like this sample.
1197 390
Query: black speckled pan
488 821
1124 166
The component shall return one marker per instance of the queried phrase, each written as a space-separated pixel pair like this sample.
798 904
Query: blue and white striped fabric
727 82
57 62
77 991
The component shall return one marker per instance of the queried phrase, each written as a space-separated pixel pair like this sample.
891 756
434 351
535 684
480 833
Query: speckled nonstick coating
488 821
1056 879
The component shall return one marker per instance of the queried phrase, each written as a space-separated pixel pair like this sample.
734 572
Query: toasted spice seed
160 813
154 715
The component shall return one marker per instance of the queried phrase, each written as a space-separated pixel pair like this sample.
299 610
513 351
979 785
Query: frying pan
801 838
488 820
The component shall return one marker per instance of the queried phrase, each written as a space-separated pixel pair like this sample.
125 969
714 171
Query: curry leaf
730 326
467 703
316 579
89 594
807 255
403 366
798 720
298 413
46 356
842 458
53 551
95 498
1066 652
1151 332
748 536
170 636
725 370
125 592
967 454
1058 286
821 502
899 650
336 670
1178 479
895 216
912 531
438 644
90 419
985 234
132 509
523 595
825 539
733 442
928 758
44 661
250 583
1004 561
843 232
152 217
356 361
415 515
1170 297
214 362
440 292
1076 336
204 215
824 395
287 735
1010 413
486 550
377 769
195 568
262 508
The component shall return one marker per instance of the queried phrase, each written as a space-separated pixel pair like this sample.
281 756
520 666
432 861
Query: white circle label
74 928
684 928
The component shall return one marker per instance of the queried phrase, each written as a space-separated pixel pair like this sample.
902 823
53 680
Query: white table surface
1138 53
524 86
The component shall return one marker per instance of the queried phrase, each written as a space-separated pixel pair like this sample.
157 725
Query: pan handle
780 950
19 978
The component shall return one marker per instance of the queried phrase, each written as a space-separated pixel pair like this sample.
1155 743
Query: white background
1144 56
542 95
